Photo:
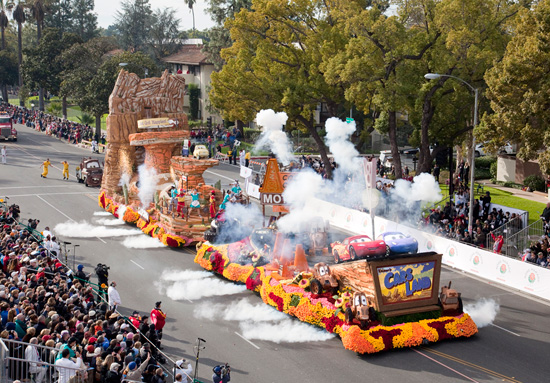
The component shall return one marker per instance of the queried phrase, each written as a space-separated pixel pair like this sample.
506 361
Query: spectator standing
217 376
114 297
158 318
436 172
66 367
184 369
35 365
4 154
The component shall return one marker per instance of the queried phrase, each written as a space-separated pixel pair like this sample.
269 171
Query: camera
102 272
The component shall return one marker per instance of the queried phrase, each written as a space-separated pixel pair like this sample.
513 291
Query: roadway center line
503 329
444 365
137 264
246 340
38 158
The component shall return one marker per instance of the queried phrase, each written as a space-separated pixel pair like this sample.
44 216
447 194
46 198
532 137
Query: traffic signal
209 122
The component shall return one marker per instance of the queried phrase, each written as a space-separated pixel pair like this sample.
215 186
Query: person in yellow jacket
44 166
247 159
65 170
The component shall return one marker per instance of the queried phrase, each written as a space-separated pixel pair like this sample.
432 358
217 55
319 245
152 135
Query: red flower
439 326
278 301
387 336
332 322
172 242
217 262
253 280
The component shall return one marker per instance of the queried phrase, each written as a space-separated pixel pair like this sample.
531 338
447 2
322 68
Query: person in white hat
184 368
114 297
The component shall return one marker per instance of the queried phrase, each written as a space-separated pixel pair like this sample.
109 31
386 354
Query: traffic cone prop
277 248
300 260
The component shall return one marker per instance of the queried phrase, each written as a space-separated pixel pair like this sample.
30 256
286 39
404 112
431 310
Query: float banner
155 123
406 284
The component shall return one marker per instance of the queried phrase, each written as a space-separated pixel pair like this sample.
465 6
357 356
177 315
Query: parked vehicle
481 150
200 152
399 243
90 173
7 131
358 246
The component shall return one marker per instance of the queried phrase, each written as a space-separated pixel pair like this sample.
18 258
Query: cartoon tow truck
450 300
7 131
361 308
90 172
323 280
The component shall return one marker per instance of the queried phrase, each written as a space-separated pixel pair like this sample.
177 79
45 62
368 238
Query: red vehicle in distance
358 246
7 131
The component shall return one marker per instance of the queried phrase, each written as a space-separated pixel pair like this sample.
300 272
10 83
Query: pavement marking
40 159
34 187
246 340
35 194
472 365
137 264
220 175
503 329
70 219
444 365
59 211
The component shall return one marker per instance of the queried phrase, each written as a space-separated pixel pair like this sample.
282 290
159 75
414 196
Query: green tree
519 90
190 4
8 69
84 19
42 67
164 35
134 24
38 10
218 36
194 95
274 63
4 23
18 14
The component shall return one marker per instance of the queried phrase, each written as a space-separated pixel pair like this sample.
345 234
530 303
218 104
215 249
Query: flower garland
150 228
327 312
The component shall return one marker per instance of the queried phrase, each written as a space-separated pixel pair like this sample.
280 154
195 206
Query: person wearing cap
114 297
114 375
33 357
158 318
81 275
133 372
184 368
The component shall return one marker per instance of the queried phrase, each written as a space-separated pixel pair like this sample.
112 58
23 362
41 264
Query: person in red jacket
158 318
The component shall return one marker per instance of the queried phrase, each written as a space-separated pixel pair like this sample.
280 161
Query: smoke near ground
142 242
110 222
186 284
84 229
147 185
102 213
483 311
273 137
240 221
262 322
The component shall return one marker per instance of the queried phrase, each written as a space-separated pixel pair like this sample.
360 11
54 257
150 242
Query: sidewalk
531 196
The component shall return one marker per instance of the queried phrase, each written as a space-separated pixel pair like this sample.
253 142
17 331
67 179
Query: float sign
406 283
272 199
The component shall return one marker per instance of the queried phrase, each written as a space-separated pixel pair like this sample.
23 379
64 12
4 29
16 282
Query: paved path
518 192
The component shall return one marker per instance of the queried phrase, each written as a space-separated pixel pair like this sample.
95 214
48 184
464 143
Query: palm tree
190 4
37 11
18 13
4 22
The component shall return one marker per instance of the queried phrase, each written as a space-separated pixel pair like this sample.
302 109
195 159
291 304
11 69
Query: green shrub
485 162
482 174
510 184
493 170
251 135
535 182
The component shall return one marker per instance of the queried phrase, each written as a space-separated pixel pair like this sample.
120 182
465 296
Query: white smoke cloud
73 229
338 141
249 217
110 222
142 242
423 188
273 137
177 287
483 311
102 213
147 185
262 322
124 179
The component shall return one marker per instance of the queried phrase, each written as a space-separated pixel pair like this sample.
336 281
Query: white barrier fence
513 273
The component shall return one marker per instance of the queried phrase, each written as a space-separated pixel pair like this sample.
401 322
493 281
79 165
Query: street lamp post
435 76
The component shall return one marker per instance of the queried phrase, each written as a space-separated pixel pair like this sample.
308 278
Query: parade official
158 318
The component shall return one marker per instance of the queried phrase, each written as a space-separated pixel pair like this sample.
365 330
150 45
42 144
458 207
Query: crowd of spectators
451 220
58 127
67 333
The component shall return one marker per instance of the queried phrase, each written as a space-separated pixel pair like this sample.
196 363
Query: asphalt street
514 348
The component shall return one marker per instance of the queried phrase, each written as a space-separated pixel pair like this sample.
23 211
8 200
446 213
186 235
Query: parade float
146 130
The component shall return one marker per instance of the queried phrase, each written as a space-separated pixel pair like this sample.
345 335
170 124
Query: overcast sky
106 10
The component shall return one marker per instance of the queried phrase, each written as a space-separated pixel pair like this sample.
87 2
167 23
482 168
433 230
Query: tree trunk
20 60
3 38
98 127
4 86
41 99
320 144
240 127
64 107
392 131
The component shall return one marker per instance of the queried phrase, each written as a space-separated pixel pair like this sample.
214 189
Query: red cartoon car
358 246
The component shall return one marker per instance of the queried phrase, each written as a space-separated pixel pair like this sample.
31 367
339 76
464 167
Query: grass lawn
502 197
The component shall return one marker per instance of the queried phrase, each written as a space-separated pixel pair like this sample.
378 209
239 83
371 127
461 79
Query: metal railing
522 239
508 232
15 365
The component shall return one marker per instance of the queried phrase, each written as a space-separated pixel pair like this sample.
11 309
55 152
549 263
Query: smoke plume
343 150
147 185
483 311
124 179
73 229
273 137
142 242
